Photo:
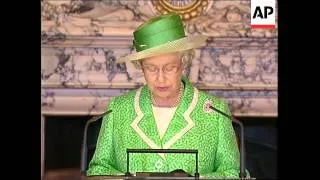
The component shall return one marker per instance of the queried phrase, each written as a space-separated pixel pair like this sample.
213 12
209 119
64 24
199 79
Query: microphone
84 148
242 173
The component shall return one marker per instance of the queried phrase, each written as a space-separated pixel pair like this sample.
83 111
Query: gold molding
187 11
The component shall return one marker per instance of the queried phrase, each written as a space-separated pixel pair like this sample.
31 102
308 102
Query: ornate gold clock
187 9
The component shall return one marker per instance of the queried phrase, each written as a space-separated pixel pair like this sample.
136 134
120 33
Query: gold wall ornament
187 9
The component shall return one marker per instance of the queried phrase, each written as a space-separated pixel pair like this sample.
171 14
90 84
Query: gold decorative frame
187 10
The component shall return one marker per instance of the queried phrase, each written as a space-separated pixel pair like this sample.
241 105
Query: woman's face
163 74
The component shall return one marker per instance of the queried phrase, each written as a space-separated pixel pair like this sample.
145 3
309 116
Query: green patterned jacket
194 126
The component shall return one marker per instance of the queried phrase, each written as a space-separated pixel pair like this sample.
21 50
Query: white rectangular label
263 13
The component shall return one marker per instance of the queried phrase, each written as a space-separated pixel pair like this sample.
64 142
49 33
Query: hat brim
179 45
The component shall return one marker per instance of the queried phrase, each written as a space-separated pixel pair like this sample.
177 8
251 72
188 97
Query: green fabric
157 31
213 136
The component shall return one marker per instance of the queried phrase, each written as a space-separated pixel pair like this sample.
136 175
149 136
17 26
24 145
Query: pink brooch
206 106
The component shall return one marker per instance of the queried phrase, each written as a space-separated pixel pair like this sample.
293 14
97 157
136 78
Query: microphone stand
84 149
242 173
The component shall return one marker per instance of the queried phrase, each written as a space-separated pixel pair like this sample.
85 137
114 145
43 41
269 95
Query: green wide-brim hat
161 35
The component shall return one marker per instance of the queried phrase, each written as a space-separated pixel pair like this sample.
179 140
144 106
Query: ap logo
263 13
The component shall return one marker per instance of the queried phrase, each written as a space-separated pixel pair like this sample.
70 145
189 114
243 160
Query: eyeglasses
167 69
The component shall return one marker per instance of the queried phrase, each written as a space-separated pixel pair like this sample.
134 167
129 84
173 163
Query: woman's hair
186 57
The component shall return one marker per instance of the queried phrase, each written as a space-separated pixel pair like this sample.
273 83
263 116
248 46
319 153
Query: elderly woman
167 113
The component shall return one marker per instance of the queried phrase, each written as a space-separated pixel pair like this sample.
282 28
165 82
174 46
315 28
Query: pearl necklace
176 102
